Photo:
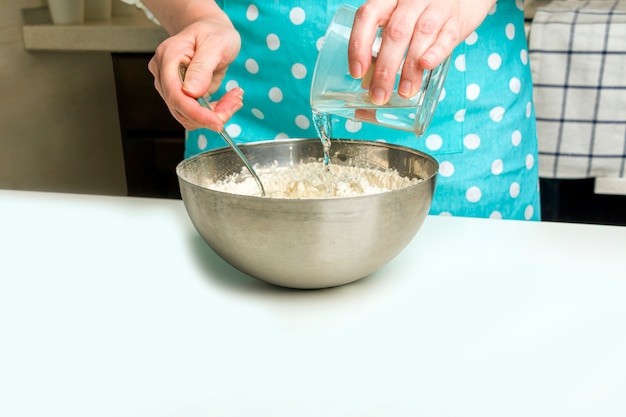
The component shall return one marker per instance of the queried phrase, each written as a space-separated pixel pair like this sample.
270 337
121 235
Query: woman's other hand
205 41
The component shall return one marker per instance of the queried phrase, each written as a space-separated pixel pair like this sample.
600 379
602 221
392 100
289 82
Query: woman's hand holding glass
426 30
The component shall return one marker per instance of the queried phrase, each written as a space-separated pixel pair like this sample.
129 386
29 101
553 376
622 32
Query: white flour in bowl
311 180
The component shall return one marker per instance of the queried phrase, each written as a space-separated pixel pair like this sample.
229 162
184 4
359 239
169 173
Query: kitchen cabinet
152 140
574 200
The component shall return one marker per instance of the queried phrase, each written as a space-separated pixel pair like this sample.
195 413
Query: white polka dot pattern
302 122
471 141
459 63
433 142
353 126
446 168
231 84
472 91
497 167
258 114
276 95
483 130
298 71
297 16
473 194
252 13
252 66
495 61
273 42
234 130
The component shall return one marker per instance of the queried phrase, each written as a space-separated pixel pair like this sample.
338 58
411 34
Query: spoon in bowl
182 70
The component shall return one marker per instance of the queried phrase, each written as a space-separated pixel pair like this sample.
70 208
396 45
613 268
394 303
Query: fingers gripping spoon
182 70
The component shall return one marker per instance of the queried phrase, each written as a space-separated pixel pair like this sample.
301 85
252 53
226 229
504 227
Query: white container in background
98 10
123 9
67 12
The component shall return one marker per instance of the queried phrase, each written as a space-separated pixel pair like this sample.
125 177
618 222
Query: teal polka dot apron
483 131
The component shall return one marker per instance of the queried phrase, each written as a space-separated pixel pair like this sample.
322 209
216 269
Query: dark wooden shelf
575 201
152 140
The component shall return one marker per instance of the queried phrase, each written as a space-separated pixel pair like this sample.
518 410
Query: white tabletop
115 307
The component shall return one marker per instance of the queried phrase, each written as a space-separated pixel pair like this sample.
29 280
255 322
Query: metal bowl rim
243 146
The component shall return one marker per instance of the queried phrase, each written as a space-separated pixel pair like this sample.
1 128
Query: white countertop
114 306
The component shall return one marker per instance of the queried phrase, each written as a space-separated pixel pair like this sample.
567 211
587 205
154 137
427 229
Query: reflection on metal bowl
308 243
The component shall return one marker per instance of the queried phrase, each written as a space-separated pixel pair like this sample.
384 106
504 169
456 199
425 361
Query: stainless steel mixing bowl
308 243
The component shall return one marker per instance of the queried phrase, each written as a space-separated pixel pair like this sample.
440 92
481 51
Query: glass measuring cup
335 91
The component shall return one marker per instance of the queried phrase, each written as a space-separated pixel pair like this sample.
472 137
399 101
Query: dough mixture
312 180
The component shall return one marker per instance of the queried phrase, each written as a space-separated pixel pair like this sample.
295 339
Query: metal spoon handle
182 70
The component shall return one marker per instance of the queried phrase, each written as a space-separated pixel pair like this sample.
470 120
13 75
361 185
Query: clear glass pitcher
335 91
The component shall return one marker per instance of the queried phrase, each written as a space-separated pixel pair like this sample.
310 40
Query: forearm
175 15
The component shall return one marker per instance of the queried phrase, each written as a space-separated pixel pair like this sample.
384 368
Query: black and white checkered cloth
577 53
